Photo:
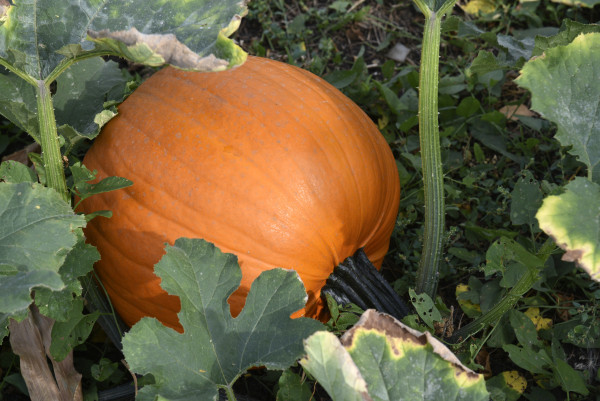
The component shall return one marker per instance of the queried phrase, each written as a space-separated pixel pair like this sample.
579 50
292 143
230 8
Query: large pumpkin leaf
573 220
38 35
396 362
37 230
215 349
572 100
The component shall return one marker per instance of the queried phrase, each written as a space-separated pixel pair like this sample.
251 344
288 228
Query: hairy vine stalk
433 176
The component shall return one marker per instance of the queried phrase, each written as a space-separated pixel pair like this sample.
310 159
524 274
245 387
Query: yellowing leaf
474 7
467 306
515 381
541 323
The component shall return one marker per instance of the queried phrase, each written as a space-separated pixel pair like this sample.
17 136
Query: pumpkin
266 160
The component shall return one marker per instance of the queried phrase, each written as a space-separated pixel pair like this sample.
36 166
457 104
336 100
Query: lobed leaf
215 349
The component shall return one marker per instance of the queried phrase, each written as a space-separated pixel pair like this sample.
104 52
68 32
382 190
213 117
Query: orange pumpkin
267 161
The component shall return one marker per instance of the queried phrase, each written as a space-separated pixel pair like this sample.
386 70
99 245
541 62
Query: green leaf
569 30
58 305
84 190
38 35
72 332
83 89
36 233
425 307
524 329
15 172
215 349
504 251
396 362
572 100
293 388
572 220
18 104
569 378
528 359
526 200
485 62
330 363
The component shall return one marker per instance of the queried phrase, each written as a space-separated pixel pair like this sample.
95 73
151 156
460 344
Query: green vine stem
433 175
53 163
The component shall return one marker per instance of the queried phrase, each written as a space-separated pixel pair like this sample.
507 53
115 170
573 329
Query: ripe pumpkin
267 161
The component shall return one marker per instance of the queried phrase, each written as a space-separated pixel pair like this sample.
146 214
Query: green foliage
501 162
37 230
215 349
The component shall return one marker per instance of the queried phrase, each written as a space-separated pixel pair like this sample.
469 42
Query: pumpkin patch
266 161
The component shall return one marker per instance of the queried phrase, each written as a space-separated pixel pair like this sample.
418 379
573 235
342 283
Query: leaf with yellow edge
400 363
541 323
572 219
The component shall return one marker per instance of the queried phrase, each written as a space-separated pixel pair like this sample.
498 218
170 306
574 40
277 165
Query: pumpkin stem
357 281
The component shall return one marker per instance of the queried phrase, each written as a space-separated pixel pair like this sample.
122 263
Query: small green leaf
72 332
572 219
526 200
15 172
528 359
293 388
425 307
468 106
330 363
485 62
569 378
524 329
84 190
572 100
215 349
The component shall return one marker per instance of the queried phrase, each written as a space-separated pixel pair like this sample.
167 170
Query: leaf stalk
53 163
433 178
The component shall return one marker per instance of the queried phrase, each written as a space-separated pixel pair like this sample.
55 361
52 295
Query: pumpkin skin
267 161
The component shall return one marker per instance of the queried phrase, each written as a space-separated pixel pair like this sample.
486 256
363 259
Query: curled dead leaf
167 46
